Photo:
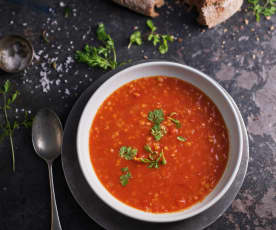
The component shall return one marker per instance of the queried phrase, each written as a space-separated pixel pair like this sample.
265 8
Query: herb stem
10 131
114 57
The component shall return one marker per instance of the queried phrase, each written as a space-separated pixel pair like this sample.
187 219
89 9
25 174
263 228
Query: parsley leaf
156 116
135 38
163 48
151 25
127 152
103 56
154 158
156 38
176 122
8 127
265 8
125 177
158 131
182 139
67 12
148 148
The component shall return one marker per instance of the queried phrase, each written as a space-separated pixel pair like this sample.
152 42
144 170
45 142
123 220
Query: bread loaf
146 7
213 12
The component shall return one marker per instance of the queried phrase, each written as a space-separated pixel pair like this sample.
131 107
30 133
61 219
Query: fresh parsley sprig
262 7
154 158
128 152
135 38
161 39
9 127
103 56
182 139
154 37
125 177
156 117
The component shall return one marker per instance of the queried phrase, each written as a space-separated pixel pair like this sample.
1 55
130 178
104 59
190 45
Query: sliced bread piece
213 12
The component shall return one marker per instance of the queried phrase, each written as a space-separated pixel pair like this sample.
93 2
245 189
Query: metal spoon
47 135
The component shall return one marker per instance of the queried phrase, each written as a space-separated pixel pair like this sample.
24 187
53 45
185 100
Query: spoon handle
55 223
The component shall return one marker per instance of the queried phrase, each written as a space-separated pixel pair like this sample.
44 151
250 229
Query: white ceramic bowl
188 74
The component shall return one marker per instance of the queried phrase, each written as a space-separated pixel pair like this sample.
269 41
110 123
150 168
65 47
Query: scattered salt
44 81
67 91
58 81
12 60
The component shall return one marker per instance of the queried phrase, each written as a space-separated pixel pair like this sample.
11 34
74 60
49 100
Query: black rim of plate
104 215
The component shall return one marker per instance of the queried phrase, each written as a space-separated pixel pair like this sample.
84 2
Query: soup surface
159 144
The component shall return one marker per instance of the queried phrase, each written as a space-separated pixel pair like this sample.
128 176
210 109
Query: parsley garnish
180 138
8 127
176 122
125 177
158 131
135 38
156 38
157 116
127 152
265 8
103 56
154 158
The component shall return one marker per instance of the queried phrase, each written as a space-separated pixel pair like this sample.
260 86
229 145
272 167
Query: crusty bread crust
146 7
214 12
211 12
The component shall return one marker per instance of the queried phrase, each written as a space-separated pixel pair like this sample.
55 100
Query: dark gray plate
106 216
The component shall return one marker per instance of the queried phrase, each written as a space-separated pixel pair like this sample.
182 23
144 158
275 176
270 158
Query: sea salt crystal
58 81
45 82
67 91
12 60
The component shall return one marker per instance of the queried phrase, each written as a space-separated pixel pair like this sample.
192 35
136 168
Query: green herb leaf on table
156 38
262 7
125 177
135 38
127 152
67 12
104 56
163 48
8 127
182 139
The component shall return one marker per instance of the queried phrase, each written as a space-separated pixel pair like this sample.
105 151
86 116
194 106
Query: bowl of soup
159 142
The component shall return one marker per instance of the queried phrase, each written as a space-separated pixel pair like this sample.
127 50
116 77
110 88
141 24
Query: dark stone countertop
240 56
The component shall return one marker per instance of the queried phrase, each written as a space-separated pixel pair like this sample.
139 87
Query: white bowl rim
157 217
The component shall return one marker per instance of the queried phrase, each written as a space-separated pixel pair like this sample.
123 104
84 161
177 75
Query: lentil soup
159 144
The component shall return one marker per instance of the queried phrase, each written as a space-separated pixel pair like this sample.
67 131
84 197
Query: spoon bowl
47 134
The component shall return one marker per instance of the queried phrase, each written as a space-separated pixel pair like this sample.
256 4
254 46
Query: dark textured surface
241 57
107 217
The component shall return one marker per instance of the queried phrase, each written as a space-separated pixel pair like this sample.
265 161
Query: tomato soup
159 144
